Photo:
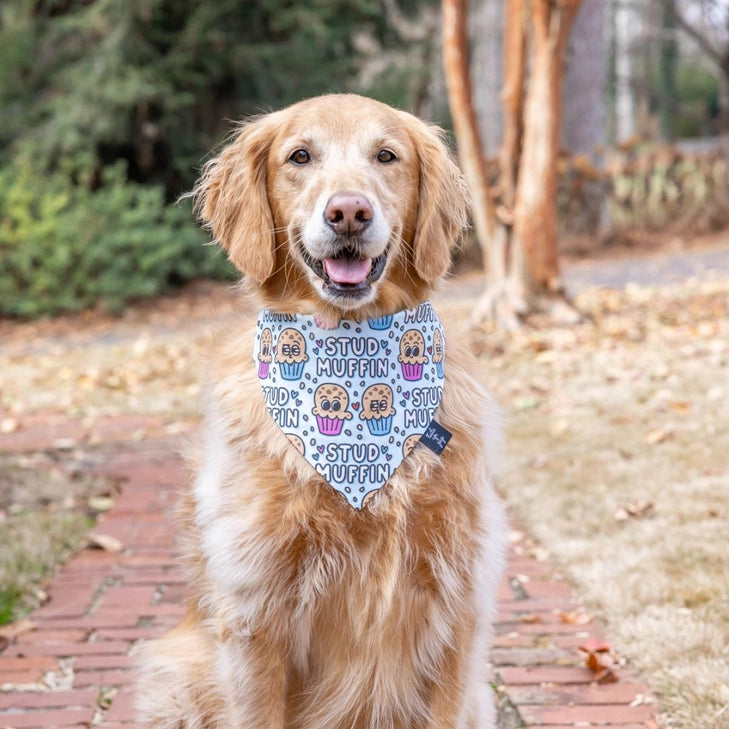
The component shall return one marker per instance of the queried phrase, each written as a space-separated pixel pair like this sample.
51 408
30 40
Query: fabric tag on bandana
436 437
353 400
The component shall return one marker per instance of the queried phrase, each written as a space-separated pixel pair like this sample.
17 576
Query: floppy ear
442 207
232 201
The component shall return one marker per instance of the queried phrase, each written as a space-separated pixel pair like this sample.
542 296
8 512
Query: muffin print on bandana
412 354
291 353
377 410
438 351
330 408
355 400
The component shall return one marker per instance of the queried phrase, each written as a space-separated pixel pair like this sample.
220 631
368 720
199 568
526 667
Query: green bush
65 246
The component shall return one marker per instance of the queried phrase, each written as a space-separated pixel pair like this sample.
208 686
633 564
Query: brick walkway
72 668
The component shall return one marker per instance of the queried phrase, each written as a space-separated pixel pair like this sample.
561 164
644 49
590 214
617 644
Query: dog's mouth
347 274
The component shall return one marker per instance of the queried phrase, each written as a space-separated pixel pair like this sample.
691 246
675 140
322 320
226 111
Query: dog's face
336 205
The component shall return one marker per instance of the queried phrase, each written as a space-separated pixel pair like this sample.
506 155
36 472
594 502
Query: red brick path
72 670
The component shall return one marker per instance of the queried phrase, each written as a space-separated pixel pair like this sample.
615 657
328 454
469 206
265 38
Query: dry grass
618 463
45 512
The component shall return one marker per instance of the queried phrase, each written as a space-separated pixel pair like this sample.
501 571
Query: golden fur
305 613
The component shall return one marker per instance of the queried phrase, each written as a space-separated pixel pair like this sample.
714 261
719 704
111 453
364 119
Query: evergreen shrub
65 246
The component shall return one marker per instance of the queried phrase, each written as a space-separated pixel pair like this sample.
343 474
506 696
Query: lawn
618 463
617 451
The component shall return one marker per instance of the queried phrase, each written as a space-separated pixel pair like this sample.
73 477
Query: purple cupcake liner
412 372
329 426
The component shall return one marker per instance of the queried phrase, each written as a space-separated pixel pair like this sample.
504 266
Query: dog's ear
443 203
232 201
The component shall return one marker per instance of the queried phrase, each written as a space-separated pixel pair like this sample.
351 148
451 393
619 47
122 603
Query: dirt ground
617 458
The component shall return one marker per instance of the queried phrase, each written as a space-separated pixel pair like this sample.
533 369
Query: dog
315 604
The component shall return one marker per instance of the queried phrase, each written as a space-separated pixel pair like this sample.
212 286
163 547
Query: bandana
353 400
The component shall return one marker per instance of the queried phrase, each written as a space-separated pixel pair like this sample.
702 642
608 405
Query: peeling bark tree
470 152
496 302
535 207
518 237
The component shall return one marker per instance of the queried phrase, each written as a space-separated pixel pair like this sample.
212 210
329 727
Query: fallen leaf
641 700
575 617
600 659
680 406
17 628
658 436
530 618
105 542
635 510
105 697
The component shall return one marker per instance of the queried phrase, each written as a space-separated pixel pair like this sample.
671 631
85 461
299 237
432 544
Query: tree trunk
518 277
496 302
470 154
512 97
535 210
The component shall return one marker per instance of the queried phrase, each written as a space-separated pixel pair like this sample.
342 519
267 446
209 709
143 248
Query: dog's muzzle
347 274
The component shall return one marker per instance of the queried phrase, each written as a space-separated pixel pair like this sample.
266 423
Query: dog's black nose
348 213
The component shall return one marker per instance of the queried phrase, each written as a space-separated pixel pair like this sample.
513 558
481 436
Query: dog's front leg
253 667
448 692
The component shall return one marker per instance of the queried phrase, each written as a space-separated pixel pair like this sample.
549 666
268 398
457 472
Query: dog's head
336 205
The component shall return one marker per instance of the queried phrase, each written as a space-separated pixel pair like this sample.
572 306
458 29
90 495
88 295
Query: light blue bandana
353 400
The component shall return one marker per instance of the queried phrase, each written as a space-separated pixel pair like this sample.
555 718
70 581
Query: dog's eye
385 156
300 157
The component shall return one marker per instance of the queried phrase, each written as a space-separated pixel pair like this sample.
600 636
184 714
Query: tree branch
704 43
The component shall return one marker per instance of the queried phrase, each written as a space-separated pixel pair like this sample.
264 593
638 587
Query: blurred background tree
640 143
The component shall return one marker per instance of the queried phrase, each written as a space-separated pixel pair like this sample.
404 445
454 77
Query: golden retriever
306 613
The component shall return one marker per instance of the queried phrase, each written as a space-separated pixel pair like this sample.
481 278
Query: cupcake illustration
409 443
377 410
380 322
412 355
330 407
291 354
265 353
438 351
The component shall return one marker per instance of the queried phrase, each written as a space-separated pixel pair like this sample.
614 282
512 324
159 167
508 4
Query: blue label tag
436 437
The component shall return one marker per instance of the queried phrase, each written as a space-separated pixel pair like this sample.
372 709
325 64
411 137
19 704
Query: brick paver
73 668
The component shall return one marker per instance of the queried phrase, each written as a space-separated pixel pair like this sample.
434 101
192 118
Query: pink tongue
347 270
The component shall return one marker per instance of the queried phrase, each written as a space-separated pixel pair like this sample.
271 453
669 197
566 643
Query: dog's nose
348 214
